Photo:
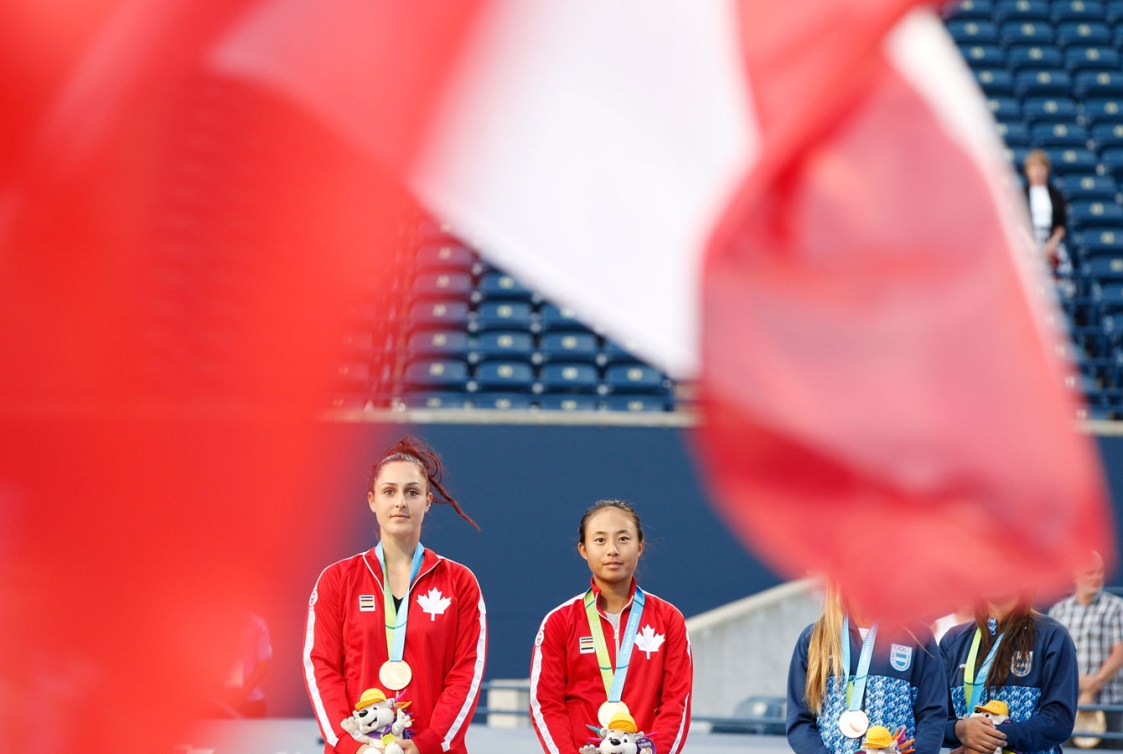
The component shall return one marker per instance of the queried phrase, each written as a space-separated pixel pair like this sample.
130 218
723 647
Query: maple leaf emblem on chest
434 603
648 641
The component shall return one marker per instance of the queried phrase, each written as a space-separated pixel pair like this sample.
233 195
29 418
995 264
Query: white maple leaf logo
648 641
435 603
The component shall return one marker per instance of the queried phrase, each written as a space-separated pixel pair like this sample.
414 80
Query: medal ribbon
395 629
614 677
858 683
969 685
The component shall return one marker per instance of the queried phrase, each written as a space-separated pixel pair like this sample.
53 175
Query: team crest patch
541 637
586 645
1022 664
900 657
366 603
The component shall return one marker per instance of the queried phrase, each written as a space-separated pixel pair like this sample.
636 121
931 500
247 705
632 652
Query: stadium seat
499 286
568 402
1095 242
1112 160
440 344
348 401
1113 11
986 55
1108 296
1032 57
1077 10
1107 135
552 318
1103 110
636 403
504 376
1049 110
1084 214
634 378
569 378
1005 108
503 401
436 374
1021 10
1059 135
971 32
1026 32
444 315
445 257
1014 134
504 315
1103 268
1042 83
508 345
1084 33
972 10
995 82
435 400
614 353
1096 84
1089 187
1079 57
569 346
1017 157
442 285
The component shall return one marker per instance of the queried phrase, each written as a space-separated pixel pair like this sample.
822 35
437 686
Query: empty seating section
468 335
1052 72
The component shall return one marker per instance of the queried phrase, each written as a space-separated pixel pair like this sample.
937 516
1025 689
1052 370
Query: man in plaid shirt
1094 619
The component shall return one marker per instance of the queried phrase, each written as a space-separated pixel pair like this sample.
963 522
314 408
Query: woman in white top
1047 211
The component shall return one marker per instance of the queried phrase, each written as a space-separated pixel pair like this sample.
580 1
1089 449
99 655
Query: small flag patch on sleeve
366 603
586 645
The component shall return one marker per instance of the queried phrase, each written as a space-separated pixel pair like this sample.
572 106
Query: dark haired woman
613 651
398 617
1011 654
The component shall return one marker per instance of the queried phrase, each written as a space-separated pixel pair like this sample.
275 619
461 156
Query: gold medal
395 674
854 723
609 710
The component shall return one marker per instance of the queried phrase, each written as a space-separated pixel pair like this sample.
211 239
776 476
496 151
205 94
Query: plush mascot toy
998 712
379 722
880 741
620 737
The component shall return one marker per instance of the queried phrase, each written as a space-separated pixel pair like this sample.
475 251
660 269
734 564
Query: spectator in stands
1094 619
577 678
848 674
1012 654
1049 214
362 608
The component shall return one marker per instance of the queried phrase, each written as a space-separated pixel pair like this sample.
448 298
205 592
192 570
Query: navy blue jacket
1040 690
906 686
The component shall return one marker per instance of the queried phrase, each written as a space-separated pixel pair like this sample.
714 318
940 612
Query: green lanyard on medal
613 678
395 673
969 685
854 722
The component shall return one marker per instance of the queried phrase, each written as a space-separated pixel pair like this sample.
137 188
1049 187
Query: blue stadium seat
636 403
614 353
1005 108
1067 161
1078 10
1026 33
634 378
1103 268
1103 110
1108 295
1079 57
1033 57
1095 242
971 32
504 315
503 401
516 345
1042 83
443 285
1049 110
435 400
978 10
1014 134
1017 157
1095 84
1089 188
995 82
1107 135
552 318
504 376
436 374
1112 160
441 344
499 286
1021 10
569 346
1059 135
448 257
444 315
1084 33
569 378
571 402
1114 11
985 55
1084 214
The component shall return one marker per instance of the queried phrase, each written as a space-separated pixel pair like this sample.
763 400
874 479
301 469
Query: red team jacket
565 681
446 640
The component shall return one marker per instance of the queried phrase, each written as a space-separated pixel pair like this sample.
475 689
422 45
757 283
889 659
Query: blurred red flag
882 400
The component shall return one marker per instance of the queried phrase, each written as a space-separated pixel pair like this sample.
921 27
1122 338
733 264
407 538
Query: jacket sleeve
931 705
802 724
323 663
457 702
547 687
1056 713
673 718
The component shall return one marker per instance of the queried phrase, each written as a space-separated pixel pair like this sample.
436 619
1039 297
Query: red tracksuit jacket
446 640
566 688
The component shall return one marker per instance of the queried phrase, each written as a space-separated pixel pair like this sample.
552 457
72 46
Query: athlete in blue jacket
904 685
1033 669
